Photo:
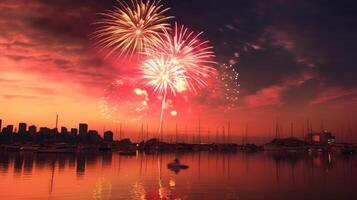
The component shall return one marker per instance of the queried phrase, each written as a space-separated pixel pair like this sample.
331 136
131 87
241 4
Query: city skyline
220 134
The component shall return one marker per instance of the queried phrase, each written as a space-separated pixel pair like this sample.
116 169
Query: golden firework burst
130 27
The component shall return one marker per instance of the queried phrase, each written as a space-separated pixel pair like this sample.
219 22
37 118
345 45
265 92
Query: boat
176 166
57 149
29 148
127 153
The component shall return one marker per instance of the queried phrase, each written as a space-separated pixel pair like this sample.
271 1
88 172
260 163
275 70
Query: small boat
29 148
57 149
176 166
127 153
81 148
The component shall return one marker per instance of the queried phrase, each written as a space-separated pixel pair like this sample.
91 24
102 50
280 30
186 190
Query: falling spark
131 26
184 48
173 113
164 77
228 82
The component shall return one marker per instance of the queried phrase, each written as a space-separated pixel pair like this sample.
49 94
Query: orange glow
106 175
316 138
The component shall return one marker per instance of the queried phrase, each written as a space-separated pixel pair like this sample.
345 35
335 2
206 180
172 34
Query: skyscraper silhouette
32 130
22 128
108 136
83 131
74 132
9 129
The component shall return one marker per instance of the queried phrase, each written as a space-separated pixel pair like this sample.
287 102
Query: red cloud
265 97
272 95
333 94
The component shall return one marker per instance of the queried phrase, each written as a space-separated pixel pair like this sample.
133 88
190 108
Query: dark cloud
293 37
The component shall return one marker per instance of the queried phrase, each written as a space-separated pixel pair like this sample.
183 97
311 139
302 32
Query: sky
296 62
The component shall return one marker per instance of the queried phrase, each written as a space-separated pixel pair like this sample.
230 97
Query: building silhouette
93 136
74 132
108 136
32 130
46 135
64 131
83 131
22 128
9 129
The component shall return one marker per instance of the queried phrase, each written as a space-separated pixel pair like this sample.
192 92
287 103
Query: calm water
210 176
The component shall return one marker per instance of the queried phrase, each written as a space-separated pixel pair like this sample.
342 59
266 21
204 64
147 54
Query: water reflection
210 175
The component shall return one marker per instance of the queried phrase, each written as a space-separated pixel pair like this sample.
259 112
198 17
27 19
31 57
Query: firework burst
184 48
179 61
228 83
131 26
163 76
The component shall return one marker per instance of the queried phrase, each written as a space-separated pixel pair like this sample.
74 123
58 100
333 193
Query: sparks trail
163 77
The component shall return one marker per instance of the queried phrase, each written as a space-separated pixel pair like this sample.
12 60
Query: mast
186 134
56 121
229 131
147 131
120 132
199 131
116 132
223 135
56 130
142 131
208 135
246 133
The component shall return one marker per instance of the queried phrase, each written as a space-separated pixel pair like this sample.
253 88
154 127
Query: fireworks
228 83
184 48
131 27
174 60
179 61
162 75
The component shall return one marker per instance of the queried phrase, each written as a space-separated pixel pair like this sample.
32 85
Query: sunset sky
296 61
